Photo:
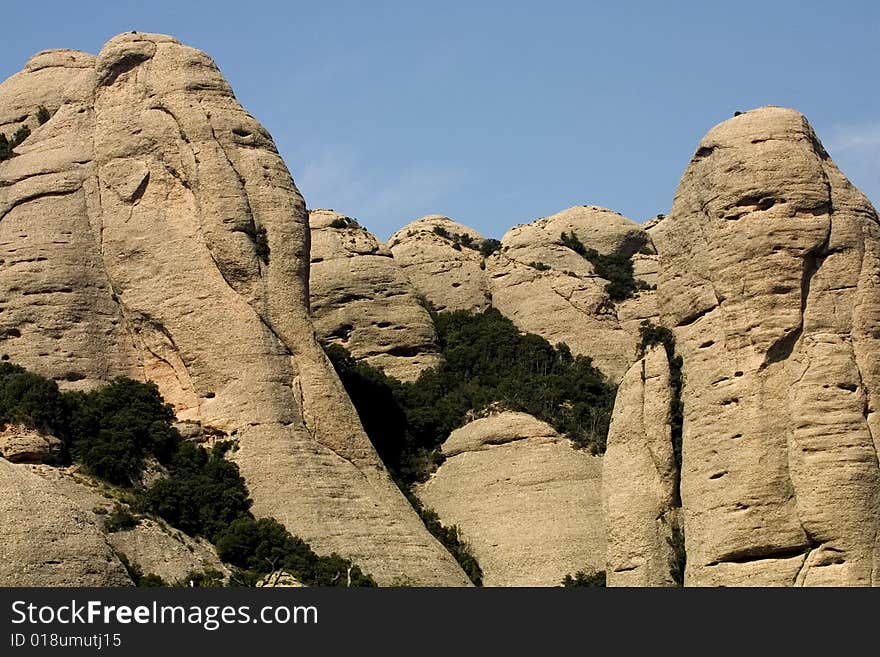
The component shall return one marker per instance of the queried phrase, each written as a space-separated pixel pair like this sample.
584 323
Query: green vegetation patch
585 578
651 335
8 144
615 268
111 431
485 360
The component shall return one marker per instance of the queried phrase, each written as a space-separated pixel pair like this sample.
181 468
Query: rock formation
639 477
544 287
150 229
770 266
361 299
526 501
19 444
445 271
79 504
47 539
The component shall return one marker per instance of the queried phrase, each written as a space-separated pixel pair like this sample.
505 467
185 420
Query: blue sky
496 113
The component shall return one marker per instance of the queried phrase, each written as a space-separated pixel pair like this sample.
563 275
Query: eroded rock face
47 79
150 229
447 274
770 267
152 546
19 444
361 299
639 477
527 503
544 287
49 540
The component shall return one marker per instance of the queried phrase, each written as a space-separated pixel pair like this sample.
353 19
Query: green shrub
678 560
209 578
485 359
263 546
489 246
5 148
585 578
615 268
29 399
20 135
442 232
651 334
111 429
261 245
202 495
120 520
42 115
151 580
540 266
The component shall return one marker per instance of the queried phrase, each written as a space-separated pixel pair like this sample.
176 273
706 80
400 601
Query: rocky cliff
361 300
526 501
548 288
768 278
150 229
544 286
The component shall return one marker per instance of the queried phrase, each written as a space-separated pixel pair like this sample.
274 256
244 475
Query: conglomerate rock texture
639 477
447 274
151 229
528 503
770 280
49 539
361 299
547 288
543 286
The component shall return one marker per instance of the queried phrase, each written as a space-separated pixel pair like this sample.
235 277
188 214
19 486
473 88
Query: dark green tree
585 578
42 115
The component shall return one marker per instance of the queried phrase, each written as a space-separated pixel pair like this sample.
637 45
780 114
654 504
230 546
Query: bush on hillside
615 268
585 578
112 429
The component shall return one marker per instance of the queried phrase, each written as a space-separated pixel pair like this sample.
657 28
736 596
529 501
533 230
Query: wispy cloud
856 150
382 200
858 137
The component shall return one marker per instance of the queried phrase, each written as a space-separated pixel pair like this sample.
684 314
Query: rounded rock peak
758 125
135 36
429 224
596 227
59 58
324 218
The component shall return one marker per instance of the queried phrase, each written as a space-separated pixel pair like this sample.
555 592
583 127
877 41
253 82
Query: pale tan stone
152 545
547 288
450 278
528 504
769 278
48 79
19 444
639 477
130 233
361 300
280 579
49 540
